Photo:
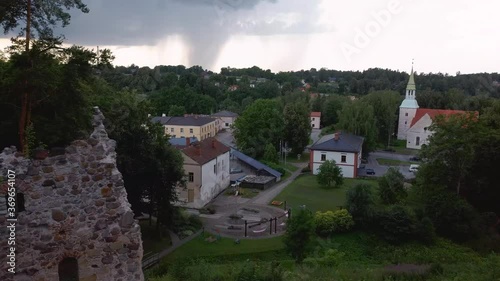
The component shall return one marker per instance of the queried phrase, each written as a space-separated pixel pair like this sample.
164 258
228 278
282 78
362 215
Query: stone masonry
75 207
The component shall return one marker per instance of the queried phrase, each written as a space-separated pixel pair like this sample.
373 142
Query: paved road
226 138
380 170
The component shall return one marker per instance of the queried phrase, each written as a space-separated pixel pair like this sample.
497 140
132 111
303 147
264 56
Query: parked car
413 168
415 158
370 172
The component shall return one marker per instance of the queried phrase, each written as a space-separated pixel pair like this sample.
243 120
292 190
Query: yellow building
188 126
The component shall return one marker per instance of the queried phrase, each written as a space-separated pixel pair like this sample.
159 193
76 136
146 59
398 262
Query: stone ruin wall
75 206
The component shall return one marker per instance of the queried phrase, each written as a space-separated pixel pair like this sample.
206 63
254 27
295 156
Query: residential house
226 118
414 122
206 164
233 88
196 126
315 119
344 148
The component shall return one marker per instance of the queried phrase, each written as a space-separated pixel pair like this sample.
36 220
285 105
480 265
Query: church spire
411 82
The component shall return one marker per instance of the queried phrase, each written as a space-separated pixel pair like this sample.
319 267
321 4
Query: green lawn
151 241
394 162
306 191
226 247
304 157
244 192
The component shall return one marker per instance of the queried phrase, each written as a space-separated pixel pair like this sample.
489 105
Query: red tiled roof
315 114
421 112
204 151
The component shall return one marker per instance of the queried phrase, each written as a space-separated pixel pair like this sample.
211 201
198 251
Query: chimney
213 143
149 115
196 117
336 137
188 141
163 115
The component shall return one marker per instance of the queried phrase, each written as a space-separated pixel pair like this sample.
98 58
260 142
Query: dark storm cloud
205 25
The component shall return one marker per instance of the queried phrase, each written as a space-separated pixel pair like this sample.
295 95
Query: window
227 124
68 270
191 177
314 119
343 158
417 141
182 130
323 157
312 125
190 131
406 122
171 130
406 114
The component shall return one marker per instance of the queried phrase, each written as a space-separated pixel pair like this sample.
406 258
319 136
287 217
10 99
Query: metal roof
345 143
254 163
225 113
162 120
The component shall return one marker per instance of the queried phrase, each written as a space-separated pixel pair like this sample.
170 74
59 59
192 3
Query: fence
270 221
150 259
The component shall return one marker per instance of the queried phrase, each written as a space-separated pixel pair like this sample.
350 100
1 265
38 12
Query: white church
414 122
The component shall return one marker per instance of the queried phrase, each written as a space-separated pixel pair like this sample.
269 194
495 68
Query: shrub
360 203
332 257
453 217
425 231
324 223
299 235
330 222
275 167
391 187
396 224
342 221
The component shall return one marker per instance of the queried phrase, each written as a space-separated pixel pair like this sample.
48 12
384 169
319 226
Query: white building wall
406 116
419 130
213 183
315 122
347 167
227 122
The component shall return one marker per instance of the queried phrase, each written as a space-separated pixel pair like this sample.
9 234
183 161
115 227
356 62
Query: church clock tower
408 107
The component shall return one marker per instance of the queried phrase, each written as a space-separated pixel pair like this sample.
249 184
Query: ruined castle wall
75 206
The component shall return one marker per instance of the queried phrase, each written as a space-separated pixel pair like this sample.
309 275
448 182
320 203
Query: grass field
151 241
306 191
361 257
394 162
227 248
304 158
244 192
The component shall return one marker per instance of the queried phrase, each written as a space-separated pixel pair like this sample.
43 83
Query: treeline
356 83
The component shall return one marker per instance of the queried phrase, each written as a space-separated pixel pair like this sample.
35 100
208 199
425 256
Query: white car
413 168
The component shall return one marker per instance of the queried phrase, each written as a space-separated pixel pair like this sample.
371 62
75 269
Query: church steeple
411 90
411 82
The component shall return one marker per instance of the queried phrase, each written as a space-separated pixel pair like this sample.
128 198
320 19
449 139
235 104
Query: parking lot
380 170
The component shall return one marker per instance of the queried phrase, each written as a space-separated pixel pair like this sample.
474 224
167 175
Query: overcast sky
442 36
